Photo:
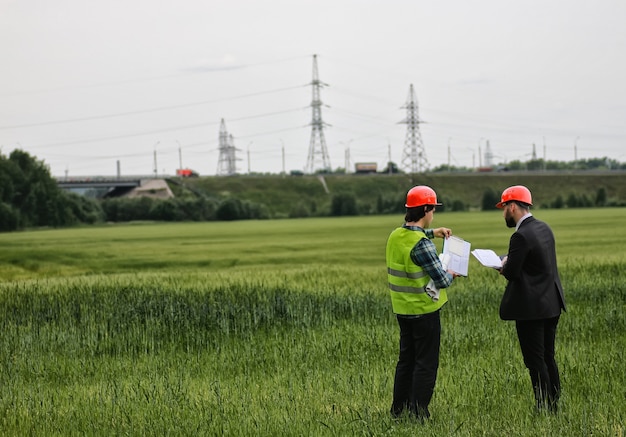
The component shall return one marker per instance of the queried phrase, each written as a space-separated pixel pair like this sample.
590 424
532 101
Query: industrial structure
488 155
227 164
414 155
318 158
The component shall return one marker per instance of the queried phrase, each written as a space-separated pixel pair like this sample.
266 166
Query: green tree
490 198
34 197
572 201
166 210
457 205
80 209
535 164
9 217
601 197
390 203
127 209
516 165
343 204
8 174
558 202
230 209
299 210
392 168
199 209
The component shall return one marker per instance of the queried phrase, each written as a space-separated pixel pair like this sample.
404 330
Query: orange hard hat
421 195
518 193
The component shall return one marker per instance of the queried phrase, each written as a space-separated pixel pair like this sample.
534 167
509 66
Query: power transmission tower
488 155
318 153
227 164
414 155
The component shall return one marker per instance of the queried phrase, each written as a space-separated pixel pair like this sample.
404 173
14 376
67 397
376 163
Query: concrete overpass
98 182
112 186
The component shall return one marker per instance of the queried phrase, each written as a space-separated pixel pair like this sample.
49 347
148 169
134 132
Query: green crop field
284 327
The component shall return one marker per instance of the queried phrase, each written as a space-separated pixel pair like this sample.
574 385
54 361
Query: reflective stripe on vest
403 274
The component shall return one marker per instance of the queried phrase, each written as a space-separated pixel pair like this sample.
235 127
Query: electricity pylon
227 164
414 155
318 153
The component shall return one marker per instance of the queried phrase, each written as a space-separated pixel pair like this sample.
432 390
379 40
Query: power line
149 110
170 129
260 134
118 137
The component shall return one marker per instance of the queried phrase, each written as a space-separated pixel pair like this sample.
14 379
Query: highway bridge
98 182
112 186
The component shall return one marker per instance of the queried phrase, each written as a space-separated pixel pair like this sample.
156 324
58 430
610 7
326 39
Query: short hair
415 213
522 205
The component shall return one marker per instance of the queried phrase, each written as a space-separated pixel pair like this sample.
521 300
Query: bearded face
510 222
508 217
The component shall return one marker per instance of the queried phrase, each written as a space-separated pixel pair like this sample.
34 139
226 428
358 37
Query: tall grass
297 344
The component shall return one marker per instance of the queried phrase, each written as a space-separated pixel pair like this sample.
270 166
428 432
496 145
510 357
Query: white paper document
488 258
459 251
431 288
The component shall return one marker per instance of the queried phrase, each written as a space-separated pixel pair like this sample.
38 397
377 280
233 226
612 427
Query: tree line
544 165
535 164
31 198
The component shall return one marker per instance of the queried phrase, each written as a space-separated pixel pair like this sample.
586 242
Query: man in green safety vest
417 283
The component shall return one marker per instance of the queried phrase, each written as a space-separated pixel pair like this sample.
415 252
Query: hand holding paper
488 258
458 251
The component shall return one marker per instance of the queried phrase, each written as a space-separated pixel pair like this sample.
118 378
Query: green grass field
284 328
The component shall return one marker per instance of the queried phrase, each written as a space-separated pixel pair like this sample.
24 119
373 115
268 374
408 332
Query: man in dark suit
533 296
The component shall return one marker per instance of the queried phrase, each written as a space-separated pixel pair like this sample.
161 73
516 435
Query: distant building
365 167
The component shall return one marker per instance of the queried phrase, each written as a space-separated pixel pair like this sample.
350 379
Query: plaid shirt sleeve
424 254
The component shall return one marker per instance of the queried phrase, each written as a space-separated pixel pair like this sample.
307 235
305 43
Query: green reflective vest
406 279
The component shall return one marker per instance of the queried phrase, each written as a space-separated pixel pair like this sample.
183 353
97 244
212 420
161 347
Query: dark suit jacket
534 289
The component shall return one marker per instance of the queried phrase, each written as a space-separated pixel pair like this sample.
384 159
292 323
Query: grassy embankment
284 328
281 195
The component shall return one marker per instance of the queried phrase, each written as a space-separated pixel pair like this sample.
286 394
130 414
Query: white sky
85 84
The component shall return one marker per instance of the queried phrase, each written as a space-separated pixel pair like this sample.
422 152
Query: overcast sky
85 84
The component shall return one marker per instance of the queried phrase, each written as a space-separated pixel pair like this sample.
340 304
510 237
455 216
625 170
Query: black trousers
418 361
537 339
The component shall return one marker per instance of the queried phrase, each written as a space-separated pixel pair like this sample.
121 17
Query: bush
343 204
196 209
230 209
457 205
572 201
390 203
490 198
167 210
601 197
299 210
82 209
558 202
127 209
585 201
